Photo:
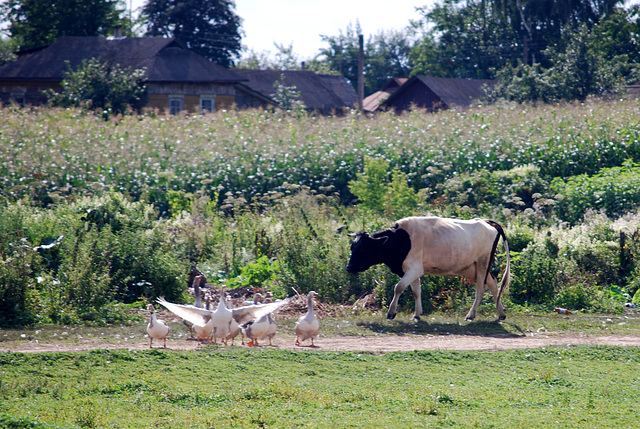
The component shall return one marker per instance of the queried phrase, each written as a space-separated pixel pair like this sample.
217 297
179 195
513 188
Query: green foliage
34 23
287 98
577 70
7 49
210 28
107 87
257 194
462 40
615 190
535 273
380 195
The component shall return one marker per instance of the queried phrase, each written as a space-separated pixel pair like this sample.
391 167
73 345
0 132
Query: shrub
103 86
382 192
615 190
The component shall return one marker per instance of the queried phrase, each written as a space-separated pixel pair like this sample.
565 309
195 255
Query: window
18 96
207 103
175 105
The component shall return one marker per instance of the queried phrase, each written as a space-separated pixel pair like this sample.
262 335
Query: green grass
249 388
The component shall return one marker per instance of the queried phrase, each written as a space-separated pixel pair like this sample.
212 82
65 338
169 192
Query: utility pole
360 72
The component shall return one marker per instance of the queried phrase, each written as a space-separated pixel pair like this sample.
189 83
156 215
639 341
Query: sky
302 22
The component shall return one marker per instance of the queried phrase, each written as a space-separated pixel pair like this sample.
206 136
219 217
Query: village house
430 93
322 93
177 79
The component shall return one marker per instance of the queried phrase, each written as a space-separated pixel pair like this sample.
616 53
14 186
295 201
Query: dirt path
370 344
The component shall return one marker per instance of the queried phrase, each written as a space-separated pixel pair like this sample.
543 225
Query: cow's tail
506 277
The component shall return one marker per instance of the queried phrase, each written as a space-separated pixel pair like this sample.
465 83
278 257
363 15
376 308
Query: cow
417 246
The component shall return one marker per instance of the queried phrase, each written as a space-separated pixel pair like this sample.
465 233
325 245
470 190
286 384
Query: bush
103 86
615 190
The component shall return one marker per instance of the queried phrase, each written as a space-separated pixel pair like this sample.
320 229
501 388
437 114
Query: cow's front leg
406 280
417 296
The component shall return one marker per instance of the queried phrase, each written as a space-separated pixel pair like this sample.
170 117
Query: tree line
537 50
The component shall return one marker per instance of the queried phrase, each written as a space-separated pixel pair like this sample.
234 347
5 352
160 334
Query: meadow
97 216
241 388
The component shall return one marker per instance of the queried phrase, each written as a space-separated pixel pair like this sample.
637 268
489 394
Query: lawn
236 387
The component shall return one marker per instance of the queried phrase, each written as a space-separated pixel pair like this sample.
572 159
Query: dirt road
369 344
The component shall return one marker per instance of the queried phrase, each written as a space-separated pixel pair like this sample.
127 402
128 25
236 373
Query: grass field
223 388
234 387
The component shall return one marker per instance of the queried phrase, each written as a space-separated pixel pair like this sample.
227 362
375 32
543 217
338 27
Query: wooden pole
360 71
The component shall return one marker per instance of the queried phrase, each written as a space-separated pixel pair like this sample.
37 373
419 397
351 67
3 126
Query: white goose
157 329
234 328
202 318
198 303
271 330
256 329
307 325
222 318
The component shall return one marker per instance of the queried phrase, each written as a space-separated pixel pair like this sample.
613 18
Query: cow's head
365 251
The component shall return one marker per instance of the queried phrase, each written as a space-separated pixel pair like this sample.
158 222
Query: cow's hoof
502 317
469 319
416 318
391 316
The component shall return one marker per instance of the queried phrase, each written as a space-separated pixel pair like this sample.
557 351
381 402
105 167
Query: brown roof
450 91
373 101
318 91
165 59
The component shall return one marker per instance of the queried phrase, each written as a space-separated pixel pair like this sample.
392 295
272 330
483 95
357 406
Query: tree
210 28
386 56
35 23
102 86
284 59
467 41
7 49
578 70
539 24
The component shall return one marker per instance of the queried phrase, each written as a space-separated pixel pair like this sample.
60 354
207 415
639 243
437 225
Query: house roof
452 91
165 60
318 91
373 101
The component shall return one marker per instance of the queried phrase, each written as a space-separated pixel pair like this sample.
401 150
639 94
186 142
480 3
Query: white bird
256 329
234 328
157 329
202 318
271 330
198 303
307 325
222 318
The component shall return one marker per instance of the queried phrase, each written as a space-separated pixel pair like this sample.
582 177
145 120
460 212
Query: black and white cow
417 246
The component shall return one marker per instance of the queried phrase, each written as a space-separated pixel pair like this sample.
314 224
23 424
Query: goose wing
189 313
253 312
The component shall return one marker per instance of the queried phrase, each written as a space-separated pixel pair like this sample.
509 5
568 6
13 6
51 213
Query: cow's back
447 245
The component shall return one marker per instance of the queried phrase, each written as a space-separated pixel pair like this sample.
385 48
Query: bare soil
368 344
378 343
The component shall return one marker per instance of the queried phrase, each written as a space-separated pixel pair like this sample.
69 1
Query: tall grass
95 213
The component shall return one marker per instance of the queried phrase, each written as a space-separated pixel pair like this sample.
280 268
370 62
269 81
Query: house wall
31 93
417 94
160 95
26 92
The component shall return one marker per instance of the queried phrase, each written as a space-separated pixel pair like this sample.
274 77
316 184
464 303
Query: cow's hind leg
480 288
492 283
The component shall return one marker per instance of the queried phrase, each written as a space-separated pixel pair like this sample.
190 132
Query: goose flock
253 321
